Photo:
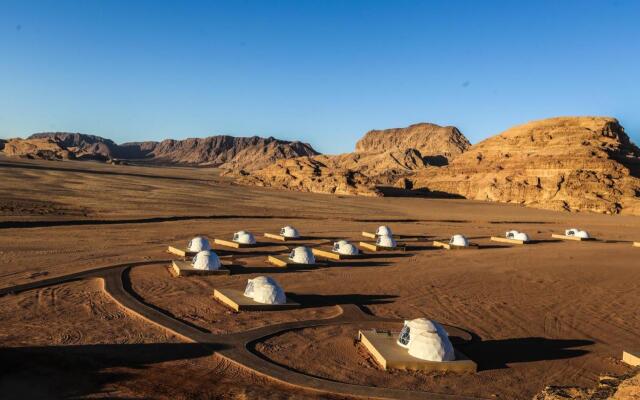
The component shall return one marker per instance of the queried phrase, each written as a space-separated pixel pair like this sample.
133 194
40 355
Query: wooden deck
237 301
184 268
389 355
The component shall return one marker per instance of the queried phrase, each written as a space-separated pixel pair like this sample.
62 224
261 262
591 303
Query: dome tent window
244 237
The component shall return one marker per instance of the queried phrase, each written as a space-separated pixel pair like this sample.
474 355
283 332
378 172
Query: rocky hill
382 159
568 163
437 144
221 151
246 153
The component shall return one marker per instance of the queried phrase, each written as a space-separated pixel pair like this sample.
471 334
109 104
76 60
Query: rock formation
437 144
382 159
569 163
624 387
230 152
221 151
44 149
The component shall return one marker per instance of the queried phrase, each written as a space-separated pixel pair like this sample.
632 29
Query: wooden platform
184 268
631 357
280 237
383 348
237 301
510 241
565 237
369 235
375 247
284 262
448 246
179 252
328 254
229 243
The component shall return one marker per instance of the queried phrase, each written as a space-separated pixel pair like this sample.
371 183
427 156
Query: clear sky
320 71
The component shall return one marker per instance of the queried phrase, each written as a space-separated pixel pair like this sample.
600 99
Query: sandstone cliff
569 163
437 144
382 159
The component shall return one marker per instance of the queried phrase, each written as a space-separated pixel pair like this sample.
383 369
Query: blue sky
323 72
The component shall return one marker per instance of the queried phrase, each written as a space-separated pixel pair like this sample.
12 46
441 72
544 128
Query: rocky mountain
437 144
221 151
74 145
568 163
382 159
230 152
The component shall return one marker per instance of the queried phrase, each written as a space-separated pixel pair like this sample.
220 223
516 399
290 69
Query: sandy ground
551 313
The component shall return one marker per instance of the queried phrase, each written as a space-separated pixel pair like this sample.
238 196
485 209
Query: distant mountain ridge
220 151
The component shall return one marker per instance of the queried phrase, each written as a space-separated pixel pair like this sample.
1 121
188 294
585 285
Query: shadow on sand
388 191
317 300
498 354
79 371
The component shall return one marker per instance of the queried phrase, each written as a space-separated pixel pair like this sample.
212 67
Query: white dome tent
426 340
386 241
244 237
289 232
345 248
577 233
206 260
517 235
459 240
265 290
384 230
302 255
198 243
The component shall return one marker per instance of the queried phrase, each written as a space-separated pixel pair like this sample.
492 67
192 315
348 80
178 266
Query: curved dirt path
237 347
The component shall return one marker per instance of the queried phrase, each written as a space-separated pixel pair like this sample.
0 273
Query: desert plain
548 313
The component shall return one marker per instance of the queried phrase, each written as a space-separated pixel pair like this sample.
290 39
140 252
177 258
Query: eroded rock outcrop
43 149
568 163
624 387
437 144
382 159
